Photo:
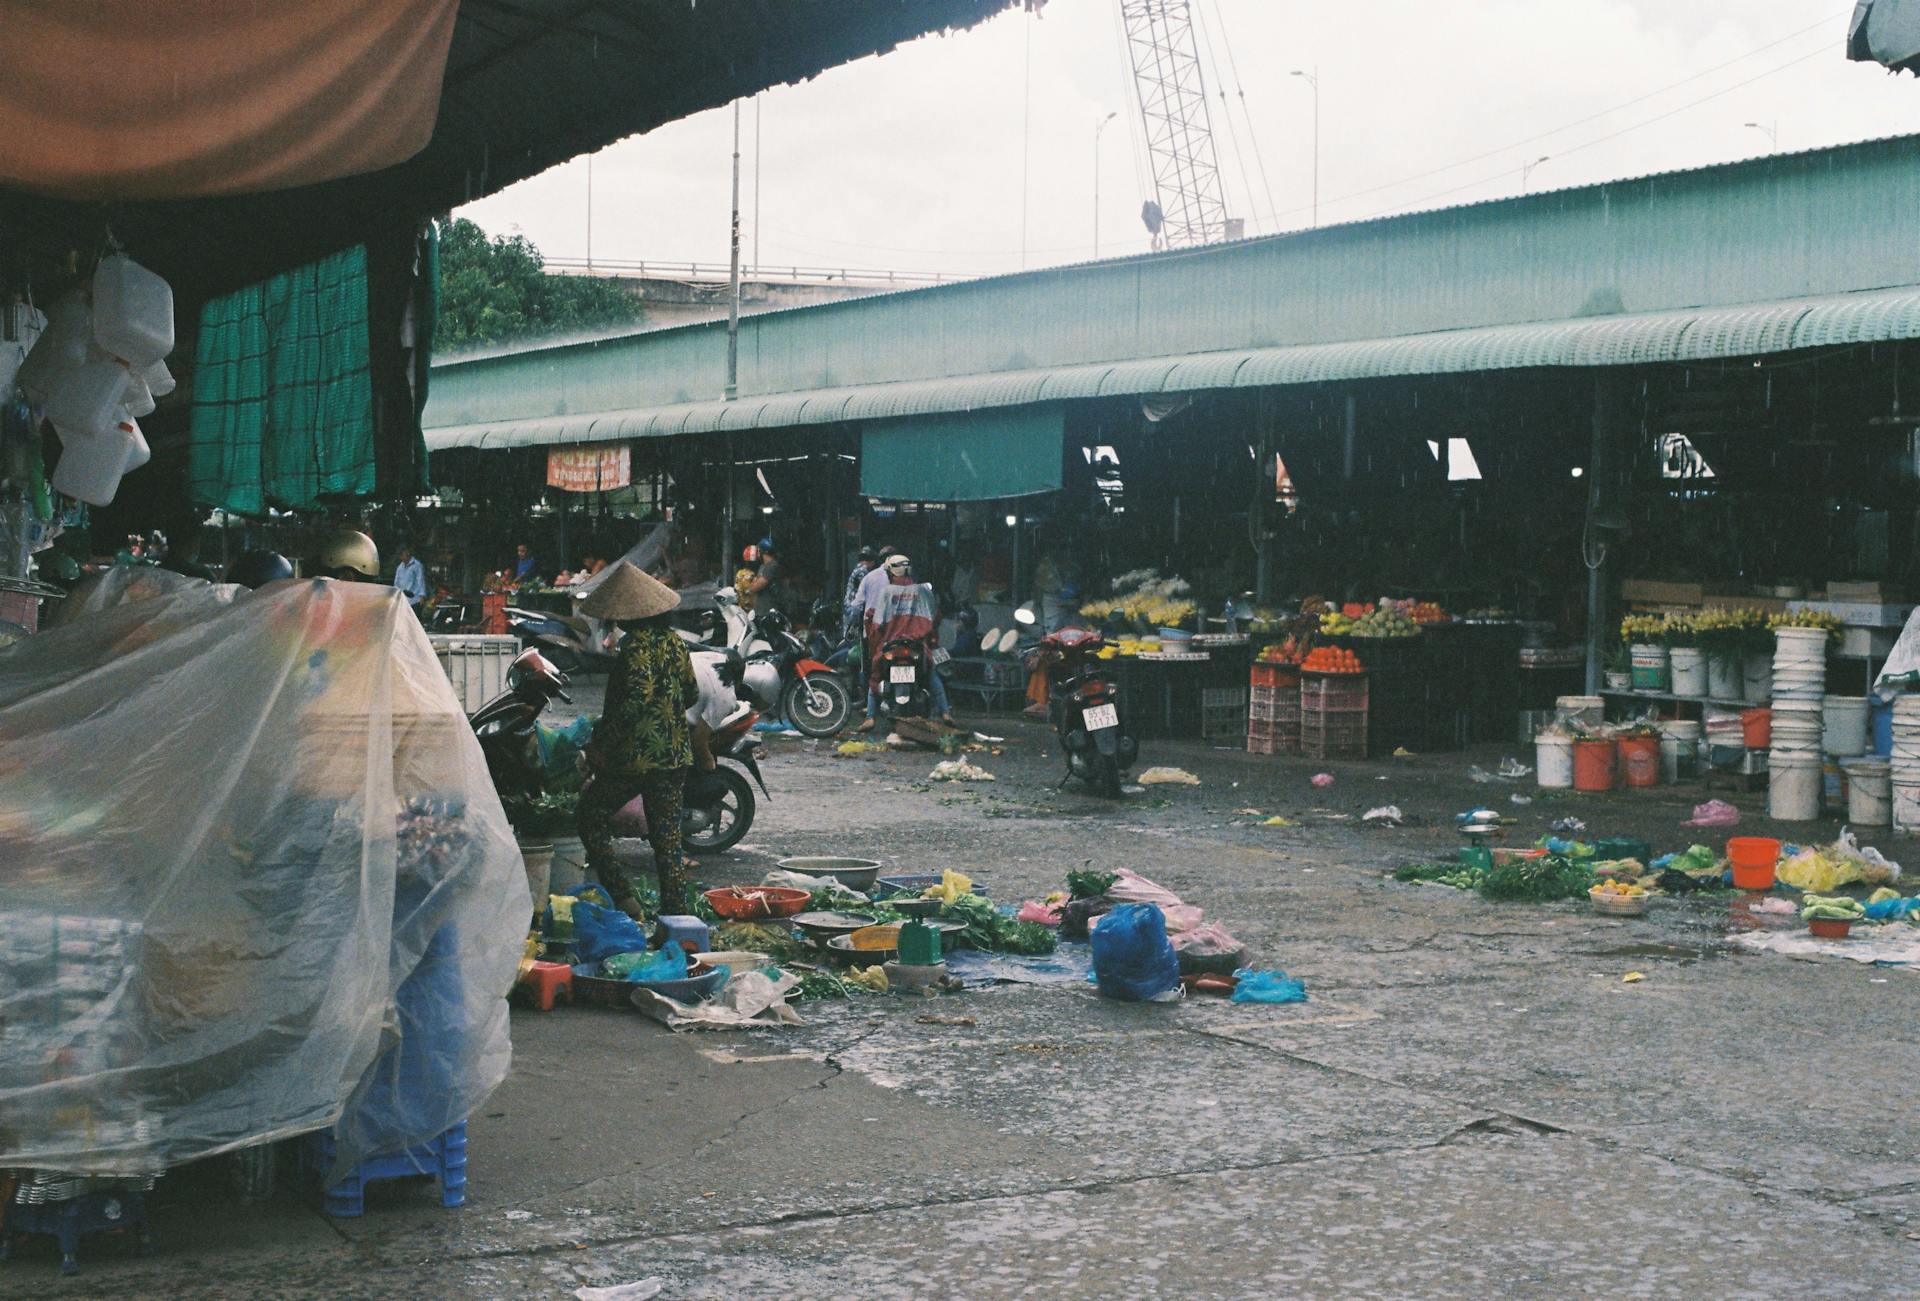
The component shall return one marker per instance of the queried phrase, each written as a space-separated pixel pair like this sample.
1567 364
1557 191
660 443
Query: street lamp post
1526 170
1100 126
1313 80
1772 131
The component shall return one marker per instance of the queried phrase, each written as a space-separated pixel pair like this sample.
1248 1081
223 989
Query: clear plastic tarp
254 880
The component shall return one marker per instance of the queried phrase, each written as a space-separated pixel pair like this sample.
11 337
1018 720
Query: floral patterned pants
663 790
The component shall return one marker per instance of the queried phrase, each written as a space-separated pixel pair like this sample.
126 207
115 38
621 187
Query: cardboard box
1870 593
1642 589
1859 614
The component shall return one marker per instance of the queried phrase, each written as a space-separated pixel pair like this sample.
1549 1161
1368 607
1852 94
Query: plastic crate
1333 693
1274 702
1223 712
1273 738
1334 736
1273 675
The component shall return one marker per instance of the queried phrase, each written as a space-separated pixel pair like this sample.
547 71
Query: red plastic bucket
1753 858
1757 724
1593 765
1640 757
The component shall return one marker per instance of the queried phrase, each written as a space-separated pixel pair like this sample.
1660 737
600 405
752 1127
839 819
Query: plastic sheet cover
254 881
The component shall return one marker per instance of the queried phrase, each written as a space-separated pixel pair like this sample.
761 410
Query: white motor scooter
777 674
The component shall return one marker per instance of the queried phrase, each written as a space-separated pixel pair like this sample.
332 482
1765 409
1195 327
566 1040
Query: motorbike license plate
901 673
940 655
1100 717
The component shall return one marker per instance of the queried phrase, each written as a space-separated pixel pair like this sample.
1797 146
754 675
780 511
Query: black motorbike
506 724
905 678
1085 706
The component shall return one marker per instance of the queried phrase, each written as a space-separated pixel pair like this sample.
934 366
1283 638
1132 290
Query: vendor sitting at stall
642 745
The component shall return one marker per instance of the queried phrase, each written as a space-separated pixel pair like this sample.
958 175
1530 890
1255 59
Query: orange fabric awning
128 99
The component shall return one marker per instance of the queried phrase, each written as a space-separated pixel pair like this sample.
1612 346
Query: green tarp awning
973 456
283 391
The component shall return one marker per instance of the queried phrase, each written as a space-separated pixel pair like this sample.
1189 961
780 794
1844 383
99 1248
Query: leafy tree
495 290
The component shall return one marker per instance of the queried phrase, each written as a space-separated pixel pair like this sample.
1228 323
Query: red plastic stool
545 981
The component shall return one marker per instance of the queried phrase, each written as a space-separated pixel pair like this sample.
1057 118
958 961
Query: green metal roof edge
1686 334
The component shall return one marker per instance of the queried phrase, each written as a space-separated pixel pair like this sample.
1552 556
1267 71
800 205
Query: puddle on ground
1684 954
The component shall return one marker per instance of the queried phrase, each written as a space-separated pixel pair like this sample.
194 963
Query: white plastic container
60 350
1756 677
1689 664
1906 804
132 311
1679 750
159 379
1591 710
1794 786
1723 678
91 464
1844 730
20 328
1553 761
138 453
1869 793
89 398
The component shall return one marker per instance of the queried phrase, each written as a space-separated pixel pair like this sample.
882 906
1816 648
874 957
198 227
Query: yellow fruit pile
1617 890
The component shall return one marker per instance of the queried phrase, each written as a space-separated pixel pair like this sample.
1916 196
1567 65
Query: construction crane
1188 205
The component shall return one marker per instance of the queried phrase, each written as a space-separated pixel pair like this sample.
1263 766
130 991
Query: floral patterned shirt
645 728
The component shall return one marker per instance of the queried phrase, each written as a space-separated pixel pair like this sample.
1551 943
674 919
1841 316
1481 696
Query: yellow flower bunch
1808 619
1643 628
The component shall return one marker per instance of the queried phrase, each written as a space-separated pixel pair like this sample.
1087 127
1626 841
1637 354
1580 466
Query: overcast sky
954 153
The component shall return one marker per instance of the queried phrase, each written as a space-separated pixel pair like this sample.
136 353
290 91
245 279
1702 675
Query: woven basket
1608 905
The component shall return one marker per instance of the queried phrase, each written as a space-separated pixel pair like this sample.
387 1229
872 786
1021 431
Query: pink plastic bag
1131 887
1208 939
1714 813
1034 911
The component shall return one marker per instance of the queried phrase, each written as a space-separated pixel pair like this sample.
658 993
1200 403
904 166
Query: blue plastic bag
561 747
1132 958
1893 909
1267 987
602 932
669 963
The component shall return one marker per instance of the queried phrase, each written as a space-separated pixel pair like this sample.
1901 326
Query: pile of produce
1426 612
1461 876
1384 621
1145 597
1290 651
1521 880
1831 907
1332 659
1615 889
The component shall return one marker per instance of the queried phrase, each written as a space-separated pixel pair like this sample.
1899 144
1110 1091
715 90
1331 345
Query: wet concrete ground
1473 1102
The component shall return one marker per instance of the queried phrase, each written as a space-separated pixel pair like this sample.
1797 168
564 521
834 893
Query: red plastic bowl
745 903
1829 928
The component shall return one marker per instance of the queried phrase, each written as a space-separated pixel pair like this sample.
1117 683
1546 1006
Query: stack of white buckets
1795 782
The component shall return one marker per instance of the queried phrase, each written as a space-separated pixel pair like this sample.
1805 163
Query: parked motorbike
718 809
506 724
1085 708
779 674
569 642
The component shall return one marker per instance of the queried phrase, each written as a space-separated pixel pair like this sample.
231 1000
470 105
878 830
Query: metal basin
823 926
853 873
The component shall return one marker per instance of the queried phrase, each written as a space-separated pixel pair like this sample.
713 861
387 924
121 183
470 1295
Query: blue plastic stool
445 1158
76 1218
687 931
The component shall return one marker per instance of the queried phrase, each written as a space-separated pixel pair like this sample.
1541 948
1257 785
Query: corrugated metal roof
1694 335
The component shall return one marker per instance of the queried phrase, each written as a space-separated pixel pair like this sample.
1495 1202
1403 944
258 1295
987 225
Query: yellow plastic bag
952 886
1814 872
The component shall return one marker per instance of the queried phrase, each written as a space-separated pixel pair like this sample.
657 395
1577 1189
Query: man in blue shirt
410 576
524 563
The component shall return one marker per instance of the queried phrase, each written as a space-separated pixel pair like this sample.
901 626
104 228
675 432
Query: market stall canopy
235 141
1886 32
974 456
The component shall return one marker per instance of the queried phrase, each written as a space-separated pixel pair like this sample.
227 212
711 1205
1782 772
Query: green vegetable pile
989 928
1460 876
816 985
1090 885
1830 907
747 937
1538 880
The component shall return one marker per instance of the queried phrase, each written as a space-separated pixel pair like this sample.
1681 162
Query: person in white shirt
710 711
410 576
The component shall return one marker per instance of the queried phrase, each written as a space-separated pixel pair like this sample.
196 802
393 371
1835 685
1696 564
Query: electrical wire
1240 89
1226 111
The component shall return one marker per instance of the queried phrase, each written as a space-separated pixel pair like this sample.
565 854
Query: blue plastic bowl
690 990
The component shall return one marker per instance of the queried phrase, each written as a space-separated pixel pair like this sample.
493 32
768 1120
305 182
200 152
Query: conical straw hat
629 594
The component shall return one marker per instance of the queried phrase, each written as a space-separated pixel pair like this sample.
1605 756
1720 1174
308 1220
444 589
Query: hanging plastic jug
89 399
60 350
138 399
91 464
132 311
159 379
138 453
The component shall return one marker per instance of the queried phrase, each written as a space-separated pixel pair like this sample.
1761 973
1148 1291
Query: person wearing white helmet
349 555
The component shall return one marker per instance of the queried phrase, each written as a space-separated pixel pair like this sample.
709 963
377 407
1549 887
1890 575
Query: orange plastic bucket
1753 858
1593 765
1757 724
1640 758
